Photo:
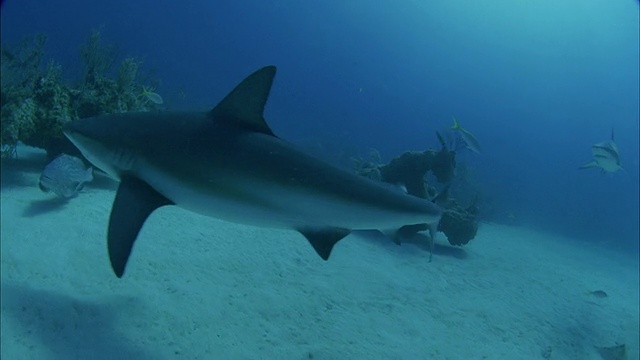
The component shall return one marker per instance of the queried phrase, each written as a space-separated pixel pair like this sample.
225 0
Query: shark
228 164
605 156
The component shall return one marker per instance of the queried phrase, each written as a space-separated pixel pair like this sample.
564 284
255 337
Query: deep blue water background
537 83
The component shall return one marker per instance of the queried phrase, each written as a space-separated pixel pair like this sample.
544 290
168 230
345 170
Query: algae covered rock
38 103
459 224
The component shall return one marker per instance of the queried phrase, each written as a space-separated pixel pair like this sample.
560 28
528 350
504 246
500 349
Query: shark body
228 164
605 156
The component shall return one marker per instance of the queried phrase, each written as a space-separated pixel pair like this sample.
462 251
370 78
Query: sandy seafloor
200 288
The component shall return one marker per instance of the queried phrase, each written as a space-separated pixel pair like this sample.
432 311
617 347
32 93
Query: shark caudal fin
244 105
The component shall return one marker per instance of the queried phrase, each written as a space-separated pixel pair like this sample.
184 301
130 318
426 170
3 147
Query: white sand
199 288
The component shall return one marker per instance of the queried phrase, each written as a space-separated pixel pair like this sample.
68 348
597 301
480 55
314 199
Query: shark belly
263 203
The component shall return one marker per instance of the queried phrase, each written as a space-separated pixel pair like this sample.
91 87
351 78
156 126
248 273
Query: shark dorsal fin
244 105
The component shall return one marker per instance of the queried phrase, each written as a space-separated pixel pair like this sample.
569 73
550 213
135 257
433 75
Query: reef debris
459 223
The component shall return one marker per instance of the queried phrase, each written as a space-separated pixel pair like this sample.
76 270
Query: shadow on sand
421 241
41 207
21 171
68 327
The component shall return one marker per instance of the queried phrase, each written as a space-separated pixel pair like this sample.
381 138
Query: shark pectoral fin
135 200
588 165
324 239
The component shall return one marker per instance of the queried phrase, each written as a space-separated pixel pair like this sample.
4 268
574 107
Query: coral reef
37 104
458 223
97 58
411 167
19 78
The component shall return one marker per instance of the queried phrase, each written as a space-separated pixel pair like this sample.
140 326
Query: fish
65 176
228 164
605 156
468 138
152 96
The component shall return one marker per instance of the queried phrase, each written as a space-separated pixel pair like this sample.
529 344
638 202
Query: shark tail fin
244 105
456 125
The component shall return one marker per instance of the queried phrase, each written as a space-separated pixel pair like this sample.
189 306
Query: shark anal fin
244 106
134 201
324 239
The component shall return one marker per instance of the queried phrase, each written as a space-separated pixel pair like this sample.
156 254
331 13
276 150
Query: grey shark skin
228 164
605 156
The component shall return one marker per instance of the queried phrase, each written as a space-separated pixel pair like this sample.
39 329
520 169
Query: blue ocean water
537 83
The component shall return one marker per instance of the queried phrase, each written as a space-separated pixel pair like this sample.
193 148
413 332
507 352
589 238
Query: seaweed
128 87
20 67
97 57
20 73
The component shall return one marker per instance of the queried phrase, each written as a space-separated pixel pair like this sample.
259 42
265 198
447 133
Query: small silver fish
467 136
153 96
65 176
